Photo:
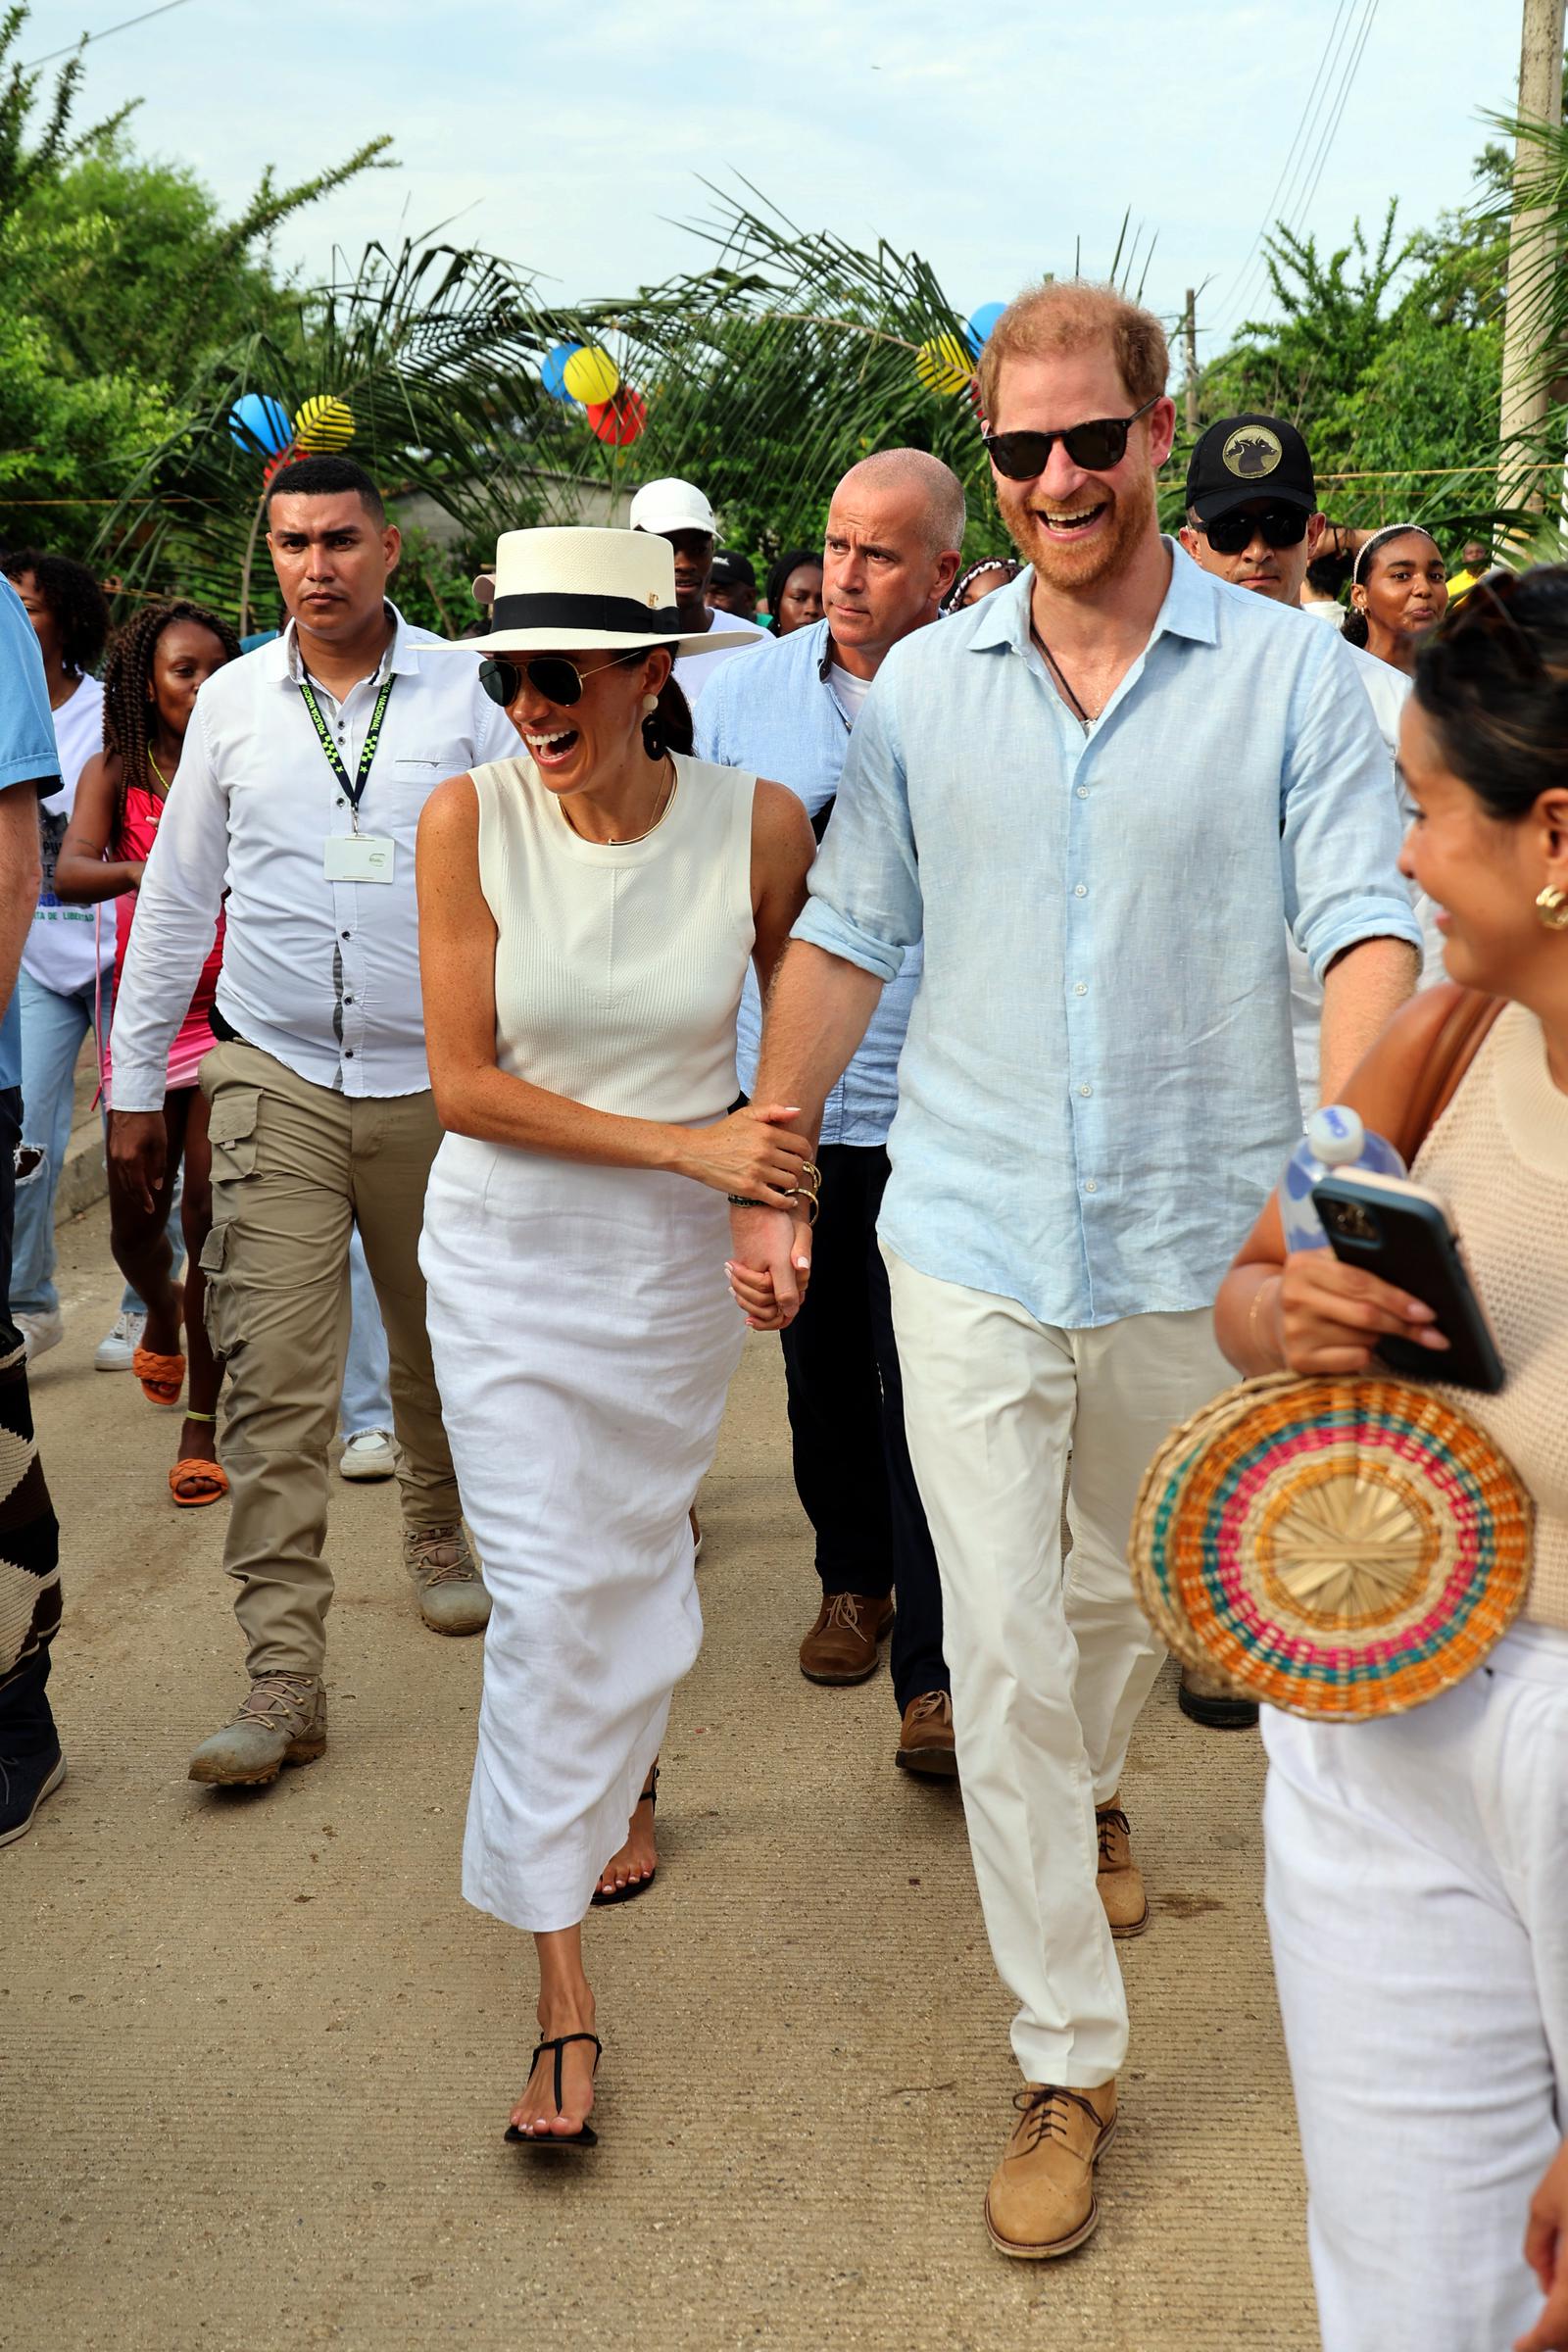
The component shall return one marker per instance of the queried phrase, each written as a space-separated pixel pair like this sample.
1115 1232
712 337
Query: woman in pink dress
156 663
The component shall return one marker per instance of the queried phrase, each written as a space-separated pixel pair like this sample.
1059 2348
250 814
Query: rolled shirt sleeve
1340 829
864 901
176 912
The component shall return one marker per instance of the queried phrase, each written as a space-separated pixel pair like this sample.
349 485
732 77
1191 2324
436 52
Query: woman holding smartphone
1418 1863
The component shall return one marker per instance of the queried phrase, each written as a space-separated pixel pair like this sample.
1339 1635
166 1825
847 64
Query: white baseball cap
671 506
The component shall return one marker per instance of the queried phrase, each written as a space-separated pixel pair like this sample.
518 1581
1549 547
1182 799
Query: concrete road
259 2054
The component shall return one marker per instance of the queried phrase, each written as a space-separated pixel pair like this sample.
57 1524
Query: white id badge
359 857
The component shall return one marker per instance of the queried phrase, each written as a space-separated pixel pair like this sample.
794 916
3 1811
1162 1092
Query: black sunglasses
1281 527
1097 446
548 675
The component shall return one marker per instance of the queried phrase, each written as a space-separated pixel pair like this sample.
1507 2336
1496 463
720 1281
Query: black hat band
622 616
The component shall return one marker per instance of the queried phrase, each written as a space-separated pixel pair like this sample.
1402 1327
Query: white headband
1390 530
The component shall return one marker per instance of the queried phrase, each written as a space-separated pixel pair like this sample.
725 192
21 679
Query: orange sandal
162 1377
187 1475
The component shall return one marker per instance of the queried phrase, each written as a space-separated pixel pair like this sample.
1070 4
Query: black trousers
30 1537
852 1463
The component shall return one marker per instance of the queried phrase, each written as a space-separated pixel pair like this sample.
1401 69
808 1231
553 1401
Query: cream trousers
1418 1910
1049 1668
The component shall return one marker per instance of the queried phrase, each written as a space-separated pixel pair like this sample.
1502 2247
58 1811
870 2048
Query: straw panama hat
571 590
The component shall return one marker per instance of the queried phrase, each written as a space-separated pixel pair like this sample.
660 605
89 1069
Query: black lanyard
353 786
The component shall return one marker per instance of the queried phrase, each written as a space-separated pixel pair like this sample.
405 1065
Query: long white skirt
584 1337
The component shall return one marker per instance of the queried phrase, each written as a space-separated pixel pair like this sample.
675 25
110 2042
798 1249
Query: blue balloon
553 375
259 423
978 332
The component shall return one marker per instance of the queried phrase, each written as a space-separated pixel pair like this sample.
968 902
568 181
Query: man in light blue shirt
1099 797
894 534
31 1762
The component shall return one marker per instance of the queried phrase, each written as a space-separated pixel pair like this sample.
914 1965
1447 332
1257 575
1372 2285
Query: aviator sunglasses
1281 527
548 675
1097 446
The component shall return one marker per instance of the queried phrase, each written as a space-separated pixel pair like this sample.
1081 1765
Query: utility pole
1190 340
1525 394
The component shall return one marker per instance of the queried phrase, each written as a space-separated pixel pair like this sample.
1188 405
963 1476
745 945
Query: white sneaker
369 1454
40 1333
115 1350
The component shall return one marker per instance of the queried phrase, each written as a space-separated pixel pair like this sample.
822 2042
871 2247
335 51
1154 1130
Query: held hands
754 1152
1546 2252
138 1148
1329 1317
771 1266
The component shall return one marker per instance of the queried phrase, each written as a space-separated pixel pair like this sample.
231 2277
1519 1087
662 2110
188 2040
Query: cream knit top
1498 1159
619 964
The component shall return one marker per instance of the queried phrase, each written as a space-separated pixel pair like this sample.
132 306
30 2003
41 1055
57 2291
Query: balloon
619 420
943 365
290 456
323 424
590 375
553 375
258 423
978 332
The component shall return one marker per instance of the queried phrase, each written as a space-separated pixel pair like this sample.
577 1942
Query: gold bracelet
1252 1314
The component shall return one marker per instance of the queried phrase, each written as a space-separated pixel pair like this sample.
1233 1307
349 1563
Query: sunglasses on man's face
548 675
1095 446
1281 527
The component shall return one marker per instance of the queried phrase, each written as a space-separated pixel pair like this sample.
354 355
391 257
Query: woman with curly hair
158 664
64 983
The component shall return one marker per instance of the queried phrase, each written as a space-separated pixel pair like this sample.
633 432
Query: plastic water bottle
1335 1138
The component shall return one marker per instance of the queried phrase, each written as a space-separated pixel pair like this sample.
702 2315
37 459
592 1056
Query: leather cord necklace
1083 716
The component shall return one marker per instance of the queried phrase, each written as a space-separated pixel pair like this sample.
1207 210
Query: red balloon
290 455
619 420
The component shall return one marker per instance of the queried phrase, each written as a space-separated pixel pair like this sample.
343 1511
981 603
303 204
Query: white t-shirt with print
66 944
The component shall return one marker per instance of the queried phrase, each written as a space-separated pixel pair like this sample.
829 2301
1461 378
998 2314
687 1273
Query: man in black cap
732 584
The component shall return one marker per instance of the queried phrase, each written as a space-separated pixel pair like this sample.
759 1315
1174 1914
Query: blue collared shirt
1099 1089
27 753
776 713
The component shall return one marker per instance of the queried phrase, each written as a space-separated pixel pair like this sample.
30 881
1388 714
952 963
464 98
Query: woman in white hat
588 910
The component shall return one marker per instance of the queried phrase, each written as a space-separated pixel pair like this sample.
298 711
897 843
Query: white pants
1048 1670
1418 1908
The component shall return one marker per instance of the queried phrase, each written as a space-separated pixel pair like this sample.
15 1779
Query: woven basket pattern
1335 1548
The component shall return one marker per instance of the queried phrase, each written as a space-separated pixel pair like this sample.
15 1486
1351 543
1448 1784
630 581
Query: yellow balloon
323 424
591 376
943 365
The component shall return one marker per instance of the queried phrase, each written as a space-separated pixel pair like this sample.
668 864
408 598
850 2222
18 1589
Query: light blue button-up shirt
1098 1089
778 714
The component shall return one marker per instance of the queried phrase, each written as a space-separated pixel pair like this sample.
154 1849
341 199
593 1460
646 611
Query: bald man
894 535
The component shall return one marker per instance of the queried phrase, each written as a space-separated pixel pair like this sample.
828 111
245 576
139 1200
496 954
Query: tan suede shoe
925 1738
282 1721
1119 1879
841 1646
1041 2203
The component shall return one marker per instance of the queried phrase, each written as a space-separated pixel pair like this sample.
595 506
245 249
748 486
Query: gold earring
1551 904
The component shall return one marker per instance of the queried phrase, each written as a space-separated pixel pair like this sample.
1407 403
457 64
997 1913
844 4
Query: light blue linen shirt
28 752
776 714
1098 1089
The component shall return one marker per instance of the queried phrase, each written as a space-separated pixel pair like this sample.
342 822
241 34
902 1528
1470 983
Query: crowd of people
935 976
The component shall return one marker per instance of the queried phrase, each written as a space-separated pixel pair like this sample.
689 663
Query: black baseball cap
1242 458
732 571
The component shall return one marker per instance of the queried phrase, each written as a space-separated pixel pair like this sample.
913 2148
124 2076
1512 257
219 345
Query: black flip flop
629 1894
587 2137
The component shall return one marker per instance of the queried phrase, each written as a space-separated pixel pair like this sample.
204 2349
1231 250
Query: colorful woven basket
1335 1548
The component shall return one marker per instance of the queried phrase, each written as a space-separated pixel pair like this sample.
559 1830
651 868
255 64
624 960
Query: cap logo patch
1251 452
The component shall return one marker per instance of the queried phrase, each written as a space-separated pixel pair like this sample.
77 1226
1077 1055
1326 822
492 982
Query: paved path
258 2053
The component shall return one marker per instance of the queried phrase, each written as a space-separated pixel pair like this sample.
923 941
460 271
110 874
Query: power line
1331 133
71 48
1324 65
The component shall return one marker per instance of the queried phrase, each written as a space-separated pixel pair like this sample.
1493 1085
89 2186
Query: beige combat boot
283 1721
1119 1879
1041 2203
446 1579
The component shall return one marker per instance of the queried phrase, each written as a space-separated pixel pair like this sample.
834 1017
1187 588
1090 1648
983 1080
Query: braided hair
128 687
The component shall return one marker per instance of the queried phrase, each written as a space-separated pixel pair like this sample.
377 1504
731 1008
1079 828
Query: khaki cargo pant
295 1166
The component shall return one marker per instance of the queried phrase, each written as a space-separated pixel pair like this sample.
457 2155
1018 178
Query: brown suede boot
1119 1879
1041 2203
841 1646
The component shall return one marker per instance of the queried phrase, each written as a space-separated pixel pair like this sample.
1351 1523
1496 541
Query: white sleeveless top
619 964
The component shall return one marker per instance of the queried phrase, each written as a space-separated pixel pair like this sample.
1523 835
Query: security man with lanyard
306 767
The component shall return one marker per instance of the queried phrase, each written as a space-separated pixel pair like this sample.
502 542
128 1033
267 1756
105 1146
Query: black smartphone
1398 1231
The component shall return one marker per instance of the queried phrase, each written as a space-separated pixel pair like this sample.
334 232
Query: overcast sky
572 139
